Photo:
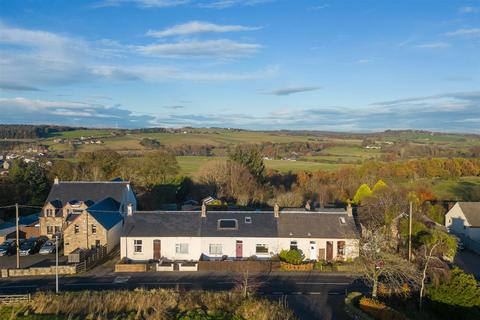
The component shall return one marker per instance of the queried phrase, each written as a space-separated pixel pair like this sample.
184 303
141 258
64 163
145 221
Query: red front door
239 249
156 249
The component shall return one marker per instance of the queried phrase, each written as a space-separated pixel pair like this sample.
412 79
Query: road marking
296 293
121 279
335 293
328 283
314 293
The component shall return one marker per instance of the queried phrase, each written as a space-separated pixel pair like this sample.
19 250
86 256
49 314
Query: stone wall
70 269
84 239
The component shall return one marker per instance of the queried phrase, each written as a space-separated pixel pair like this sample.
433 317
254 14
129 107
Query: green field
190 165
465 188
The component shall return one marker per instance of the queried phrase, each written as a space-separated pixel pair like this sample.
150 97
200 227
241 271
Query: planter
296 267
189 266
165 266
130 267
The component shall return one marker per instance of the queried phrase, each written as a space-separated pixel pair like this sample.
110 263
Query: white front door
313 250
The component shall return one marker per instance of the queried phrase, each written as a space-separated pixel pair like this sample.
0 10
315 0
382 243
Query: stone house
463 220
70 201
99 225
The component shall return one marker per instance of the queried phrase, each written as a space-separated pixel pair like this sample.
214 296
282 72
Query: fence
239 266
14 298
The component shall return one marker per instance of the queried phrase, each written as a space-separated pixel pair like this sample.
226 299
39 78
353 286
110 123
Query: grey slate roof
66 191
162 224
105 205
315 225
264 224
471 210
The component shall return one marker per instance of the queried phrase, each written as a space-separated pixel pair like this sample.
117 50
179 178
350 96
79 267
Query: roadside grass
147 305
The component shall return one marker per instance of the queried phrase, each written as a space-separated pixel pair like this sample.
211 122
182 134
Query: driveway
469 262
35 260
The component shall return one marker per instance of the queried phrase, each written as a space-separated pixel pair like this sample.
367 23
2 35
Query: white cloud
196 27
292 90
222 48
468 9
222 4
464 32
143 3
433 45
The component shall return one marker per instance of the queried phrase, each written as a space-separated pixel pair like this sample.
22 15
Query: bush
293 256
379 310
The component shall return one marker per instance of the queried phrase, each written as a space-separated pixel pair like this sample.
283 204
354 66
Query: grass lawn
465 188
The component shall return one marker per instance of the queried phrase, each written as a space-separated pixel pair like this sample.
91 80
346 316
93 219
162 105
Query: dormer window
227 224
248 220
49 212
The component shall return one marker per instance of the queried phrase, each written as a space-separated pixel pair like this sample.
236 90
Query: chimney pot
276 210
204 210
307 206
56 181
129 209
349 209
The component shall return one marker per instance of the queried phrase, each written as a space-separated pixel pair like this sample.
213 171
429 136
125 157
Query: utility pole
56 263
410 233
17 243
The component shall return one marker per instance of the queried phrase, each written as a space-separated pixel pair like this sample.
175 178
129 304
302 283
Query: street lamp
56 263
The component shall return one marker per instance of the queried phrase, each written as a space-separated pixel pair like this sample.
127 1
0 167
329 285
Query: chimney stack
349 209
129 209
276 210
56 181
204 210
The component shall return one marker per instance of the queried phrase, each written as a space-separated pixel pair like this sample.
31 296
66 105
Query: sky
336 65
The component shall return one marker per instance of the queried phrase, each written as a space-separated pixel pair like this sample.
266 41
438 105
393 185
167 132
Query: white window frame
215 246
293 245
137 246
94 228
261 245
181 248
50 229
221 228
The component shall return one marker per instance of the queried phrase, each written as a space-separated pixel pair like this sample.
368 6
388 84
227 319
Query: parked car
31 246
49 247
8 247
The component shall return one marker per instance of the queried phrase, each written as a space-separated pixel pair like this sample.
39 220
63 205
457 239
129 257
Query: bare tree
247 283
379 263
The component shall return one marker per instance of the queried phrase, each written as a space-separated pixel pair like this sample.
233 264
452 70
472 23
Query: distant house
463 220
193 235
94 209
28 226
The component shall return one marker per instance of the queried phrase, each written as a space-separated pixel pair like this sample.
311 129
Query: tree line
30 131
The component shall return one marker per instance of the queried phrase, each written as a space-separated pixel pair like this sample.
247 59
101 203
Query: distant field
191 165
466 188
82 133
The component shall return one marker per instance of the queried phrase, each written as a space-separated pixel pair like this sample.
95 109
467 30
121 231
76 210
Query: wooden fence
14 298
239 266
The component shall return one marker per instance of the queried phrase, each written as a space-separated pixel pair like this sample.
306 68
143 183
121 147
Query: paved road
469 261
310 295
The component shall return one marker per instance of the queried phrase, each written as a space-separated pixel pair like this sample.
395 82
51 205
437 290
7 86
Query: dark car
8 247
31 246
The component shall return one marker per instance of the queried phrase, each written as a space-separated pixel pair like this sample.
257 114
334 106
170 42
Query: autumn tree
153 169
250 157
231 180
362 192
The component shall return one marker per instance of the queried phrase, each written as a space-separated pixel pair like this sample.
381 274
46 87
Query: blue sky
355 65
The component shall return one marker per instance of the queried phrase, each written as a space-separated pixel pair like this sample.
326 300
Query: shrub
379 310
293 256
